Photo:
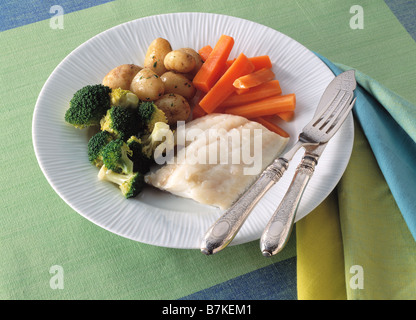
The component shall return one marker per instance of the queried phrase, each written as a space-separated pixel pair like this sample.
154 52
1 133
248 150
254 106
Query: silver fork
277 231
319 130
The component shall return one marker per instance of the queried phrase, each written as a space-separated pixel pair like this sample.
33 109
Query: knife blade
278 230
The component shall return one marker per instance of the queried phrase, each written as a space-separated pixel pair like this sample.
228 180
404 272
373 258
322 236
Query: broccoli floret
150 114
141 162
88 105
121 122
161 134
96 144
115 156
124 98
130 184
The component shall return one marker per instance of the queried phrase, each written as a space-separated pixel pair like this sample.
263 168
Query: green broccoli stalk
121 122
115 156
96 144
124 98
130 184
160 144
141 162
150 114
88 105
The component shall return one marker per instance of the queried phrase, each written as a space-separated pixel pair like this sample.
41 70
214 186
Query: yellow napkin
356 244
320 259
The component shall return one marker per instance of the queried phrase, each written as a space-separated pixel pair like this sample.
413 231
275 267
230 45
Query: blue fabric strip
14 14
404 10
393 148
274 282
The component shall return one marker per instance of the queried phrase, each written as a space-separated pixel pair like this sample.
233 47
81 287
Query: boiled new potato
197 57
175 107
178 83
121 76
147 85
155 55
180 61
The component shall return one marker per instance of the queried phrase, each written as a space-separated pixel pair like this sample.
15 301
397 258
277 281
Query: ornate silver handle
278 230
223 231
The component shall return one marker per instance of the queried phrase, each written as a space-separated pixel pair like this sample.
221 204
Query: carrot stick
198 112
204 52
286 116
229 62
212 68
272 127
223 88
265 90
254 79
264 107
241 91
259 62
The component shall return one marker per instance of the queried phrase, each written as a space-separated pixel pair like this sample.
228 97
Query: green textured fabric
39 231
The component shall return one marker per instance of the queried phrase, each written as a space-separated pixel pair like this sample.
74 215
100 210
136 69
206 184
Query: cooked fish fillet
221 157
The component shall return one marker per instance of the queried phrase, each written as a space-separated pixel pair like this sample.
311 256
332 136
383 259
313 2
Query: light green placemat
39 230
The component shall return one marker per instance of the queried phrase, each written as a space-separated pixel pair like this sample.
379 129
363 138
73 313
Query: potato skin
147 85
155 55
197 57
121 76
175 107
178 83
179 61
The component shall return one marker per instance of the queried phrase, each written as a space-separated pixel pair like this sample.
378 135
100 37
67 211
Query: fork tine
329 114
338 110
344 115
318 117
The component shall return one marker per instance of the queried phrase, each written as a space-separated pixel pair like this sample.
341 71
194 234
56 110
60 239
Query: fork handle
277 231
223 231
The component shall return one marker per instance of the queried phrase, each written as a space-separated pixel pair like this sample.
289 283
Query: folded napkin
360 242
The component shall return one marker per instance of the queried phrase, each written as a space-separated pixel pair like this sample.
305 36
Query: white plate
155 217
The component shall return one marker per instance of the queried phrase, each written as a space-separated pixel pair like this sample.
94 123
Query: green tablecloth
39 231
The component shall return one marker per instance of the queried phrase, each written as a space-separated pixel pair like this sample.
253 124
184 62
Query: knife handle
223 231
277 231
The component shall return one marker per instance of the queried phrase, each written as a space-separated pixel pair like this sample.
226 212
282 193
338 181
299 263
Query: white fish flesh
221 156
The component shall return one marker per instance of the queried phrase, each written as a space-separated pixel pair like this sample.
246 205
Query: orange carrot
223 88
229 63
212 68
265 90
264 107
254 79
204 52
259 62
198 112
286 116
272 127
241 91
